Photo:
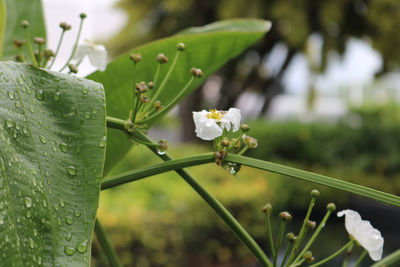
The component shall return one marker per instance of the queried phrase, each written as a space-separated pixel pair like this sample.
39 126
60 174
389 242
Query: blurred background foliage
160 221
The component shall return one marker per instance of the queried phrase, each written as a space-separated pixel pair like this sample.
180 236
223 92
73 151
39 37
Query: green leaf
30 10
207 50
2 24
52 138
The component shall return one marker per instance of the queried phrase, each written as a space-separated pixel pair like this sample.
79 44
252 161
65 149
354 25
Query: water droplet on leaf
63 147
69 250
71 170
39 94
82 246
28 202
69 220
231 167
42 139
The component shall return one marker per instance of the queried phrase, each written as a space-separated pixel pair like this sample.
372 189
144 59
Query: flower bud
157 105
141 87
161 58
285 216
150 85
39 40
314 193
180 46
19 58
311 259
245 128
135 57
48 53
307 255
225 142
196 72
82 15
331 207
311 224
144 99
291 237
219 156
65 26
24 24
250 142
267 209
72 68
19 43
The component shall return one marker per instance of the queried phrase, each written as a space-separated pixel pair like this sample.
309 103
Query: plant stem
287 253
278 242
347 254
270 237
159 90
337 253
393 257
292 172
234 225
302 232
75 45
141 173
361 258
29 44
106 245
57 49
315 235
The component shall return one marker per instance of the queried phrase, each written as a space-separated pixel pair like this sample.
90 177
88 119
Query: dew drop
39 94
71 170
231 167
87 115
69 220
68 236
9 123
28 202
11 95
64 147
161 152
57 96
82 246
43 139
102 142
31 243
85 90
69 250
1 219
61 202
77 212
28 214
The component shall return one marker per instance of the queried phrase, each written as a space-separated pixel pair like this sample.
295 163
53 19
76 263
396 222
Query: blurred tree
335 21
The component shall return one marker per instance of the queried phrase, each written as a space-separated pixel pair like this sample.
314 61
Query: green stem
40 55
134 93
29 44
170 104
270 237
337 253
315 235
159 90
292 172
278 242
241 152
297 263
106 245
57 49
390 259
303 230
347 255
213 202
75 45
21 54
287 253
155 80
360 259
141 173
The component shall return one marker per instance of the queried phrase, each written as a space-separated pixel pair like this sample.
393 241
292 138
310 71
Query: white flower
97 54
211 124
362 231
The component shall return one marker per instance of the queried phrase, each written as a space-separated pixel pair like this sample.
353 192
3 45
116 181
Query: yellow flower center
214 114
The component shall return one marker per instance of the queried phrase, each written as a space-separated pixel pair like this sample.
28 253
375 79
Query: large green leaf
2 24
207 50
52 139
18 10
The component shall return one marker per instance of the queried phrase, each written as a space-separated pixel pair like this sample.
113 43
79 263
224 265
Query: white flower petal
206 129
81 51
98 57
232 116
368 237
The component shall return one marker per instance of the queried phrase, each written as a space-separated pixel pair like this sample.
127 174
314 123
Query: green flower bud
285 216
245 128
82 15
314 193
19 43
65 26
24 24
311 224
39 40
307 255
291 237
72 68
331 207
161 58
267 209
135 57
225 142
196 72
180 46
150 85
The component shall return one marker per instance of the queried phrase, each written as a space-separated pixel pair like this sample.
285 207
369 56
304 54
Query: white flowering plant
59 143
